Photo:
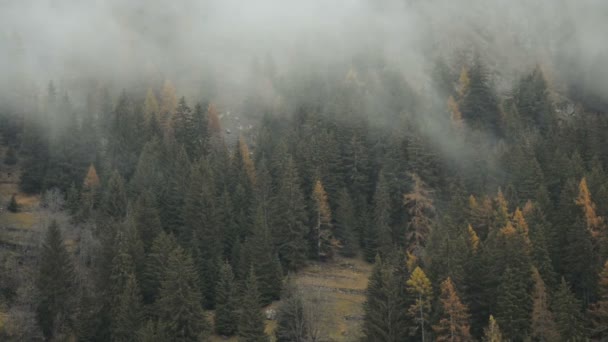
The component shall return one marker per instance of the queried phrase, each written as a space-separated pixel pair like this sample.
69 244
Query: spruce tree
251 323
156 264
114 200
129 313
382 230
55 284
289 218
179 305
345 222
385 308
598 312
226 303
568 316
513 305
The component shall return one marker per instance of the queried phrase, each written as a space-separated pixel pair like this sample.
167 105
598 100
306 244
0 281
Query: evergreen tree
513 303
146 219
345 223
129 314
289 218
567 312
382 205
385 308
13 206
251 321
156 264
598 312
178 306
454 322
226 304
55 284
114 201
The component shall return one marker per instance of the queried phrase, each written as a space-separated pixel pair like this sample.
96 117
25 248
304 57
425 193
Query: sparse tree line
193 235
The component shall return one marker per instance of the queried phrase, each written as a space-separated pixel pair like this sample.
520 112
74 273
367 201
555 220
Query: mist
124 42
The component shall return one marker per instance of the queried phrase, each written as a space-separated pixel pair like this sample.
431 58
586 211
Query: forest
148 209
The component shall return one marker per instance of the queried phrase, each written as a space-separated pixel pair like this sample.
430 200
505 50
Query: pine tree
454 322
179 304
492 332
55 284
251 321
226 315
567 312
543 326
598 312
419 286
129 314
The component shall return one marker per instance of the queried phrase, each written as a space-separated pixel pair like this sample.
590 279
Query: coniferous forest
152 209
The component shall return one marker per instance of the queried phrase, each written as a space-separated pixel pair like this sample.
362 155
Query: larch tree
543 326
454 323
323 242
419 286
421 210
492 331
595 223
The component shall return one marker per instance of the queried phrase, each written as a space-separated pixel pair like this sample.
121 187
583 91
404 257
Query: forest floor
336 289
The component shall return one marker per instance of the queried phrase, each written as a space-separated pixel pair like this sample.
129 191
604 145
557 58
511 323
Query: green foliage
55 283
179 303
226 314
251 320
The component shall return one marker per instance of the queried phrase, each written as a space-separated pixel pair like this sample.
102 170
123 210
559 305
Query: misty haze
304 171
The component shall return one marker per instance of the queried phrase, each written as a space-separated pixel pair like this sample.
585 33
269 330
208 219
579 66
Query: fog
136 42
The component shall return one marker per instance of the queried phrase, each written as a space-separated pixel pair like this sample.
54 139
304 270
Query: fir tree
513 303
382 206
